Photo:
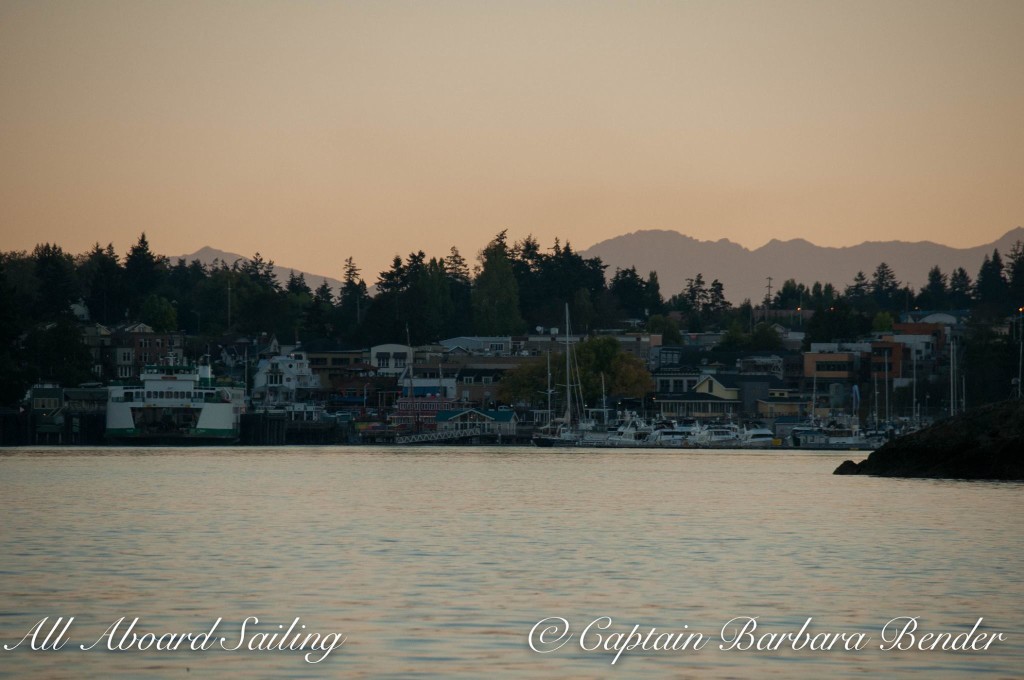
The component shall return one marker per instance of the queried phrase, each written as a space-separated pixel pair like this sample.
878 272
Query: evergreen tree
353 302
101 276
935 294
630 292
856 294
884 287
58 285
143 272
991 290
654 303
960 289
495 293
1015 275
297 284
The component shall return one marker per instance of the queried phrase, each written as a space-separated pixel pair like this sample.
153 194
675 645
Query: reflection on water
438 562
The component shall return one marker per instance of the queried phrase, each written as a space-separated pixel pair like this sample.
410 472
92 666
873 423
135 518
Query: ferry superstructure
175 404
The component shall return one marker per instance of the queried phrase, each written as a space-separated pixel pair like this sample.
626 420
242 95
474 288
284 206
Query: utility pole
768 298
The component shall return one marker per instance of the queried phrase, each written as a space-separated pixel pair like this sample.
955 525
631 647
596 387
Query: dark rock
847 468
983 443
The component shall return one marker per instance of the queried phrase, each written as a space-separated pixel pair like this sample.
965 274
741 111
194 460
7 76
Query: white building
284 379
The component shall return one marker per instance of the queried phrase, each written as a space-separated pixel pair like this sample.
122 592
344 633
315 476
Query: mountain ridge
744 271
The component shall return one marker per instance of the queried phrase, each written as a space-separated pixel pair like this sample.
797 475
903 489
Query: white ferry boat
174 404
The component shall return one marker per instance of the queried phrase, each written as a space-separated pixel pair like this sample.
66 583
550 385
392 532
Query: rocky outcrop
983 443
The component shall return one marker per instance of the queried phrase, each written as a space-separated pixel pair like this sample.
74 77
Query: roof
699 396
503 416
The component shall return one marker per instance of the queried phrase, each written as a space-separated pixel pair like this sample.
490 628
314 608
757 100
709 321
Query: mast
888 415
913 406
952 376
568 374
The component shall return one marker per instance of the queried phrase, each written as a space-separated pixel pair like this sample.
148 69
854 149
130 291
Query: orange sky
314 131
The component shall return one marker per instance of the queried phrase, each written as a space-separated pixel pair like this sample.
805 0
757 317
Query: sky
316 131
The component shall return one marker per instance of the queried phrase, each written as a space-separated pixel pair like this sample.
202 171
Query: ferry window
149 394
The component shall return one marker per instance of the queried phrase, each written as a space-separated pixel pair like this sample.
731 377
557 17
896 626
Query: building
136 345
502 422
390 359
284 380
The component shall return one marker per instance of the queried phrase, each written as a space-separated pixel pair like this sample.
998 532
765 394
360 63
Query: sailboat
567 432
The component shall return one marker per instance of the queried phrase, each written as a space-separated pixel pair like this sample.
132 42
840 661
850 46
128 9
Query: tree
960 289
353 301
654 303
158 313
935 294
630 291
102 280
58 286
1015 274
142 272
320 314
856 294
57 353
667 327
991 290
14 378
297 284
495 293
791 295
882 322
884 287
765 338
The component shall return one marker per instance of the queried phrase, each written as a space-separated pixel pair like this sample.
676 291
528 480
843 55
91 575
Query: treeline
511 288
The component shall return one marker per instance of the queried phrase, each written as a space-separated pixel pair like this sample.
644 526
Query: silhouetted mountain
744 272
207 255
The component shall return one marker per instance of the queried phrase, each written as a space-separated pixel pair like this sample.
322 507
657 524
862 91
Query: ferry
174 404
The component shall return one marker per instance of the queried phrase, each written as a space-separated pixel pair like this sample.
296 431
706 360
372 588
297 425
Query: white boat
675 434
632 432
718 436
756 437
175 404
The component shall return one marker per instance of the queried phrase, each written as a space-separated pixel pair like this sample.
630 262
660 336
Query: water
437 562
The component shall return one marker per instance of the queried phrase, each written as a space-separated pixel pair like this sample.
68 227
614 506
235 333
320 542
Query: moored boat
174 404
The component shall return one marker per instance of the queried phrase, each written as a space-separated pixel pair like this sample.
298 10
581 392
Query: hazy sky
314 131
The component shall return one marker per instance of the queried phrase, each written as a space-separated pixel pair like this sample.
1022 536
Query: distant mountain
744 272
207 255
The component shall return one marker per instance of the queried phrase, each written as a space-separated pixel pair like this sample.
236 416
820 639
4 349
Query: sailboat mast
568 373
549 388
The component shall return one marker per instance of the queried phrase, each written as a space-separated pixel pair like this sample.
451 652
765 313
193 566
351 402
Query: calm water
438 562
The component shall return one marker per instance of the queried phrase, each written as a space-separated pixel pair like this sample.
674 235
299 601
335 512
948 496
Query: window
834 366
486 380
